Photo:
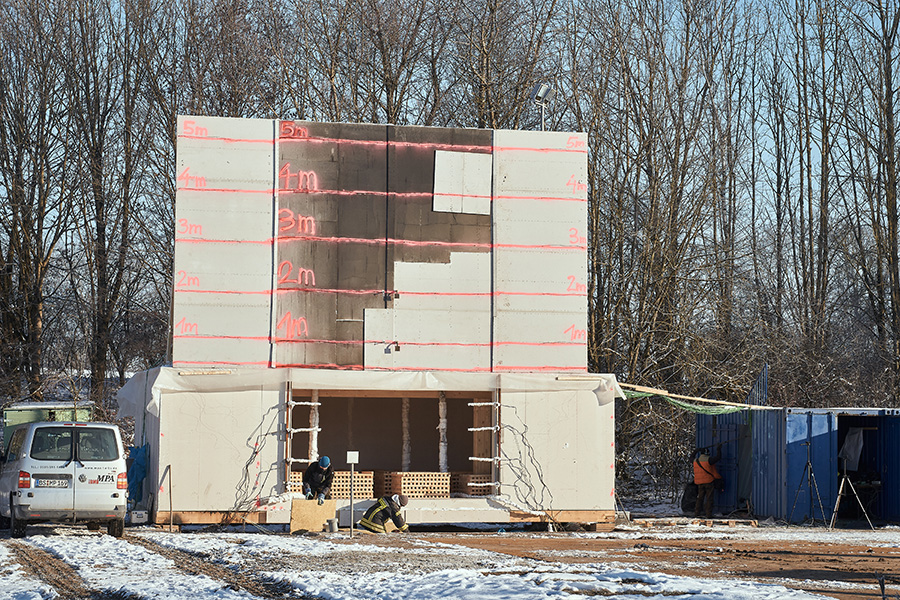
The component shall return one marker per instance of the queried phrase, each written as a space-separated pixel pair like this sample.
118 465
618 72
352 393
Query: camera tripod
841 493
811 485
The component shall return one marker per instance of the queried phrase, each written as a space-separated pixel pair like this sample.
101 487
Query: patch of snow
15 584
115 566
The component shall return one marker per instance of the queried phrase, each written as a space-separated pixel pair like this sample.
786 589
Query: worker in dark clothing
386 507
317 479
705 476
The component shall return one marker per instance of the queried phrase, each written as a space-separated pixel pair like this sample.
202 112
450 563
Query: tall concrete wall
370 247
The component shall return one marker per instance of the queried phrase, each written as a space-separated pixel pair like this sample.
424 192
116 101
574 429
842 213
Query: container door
727 435
810 456
52 470
97 466
890 468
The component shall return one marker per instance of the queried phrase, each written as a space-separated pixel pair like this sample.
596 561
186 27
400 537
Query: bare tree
35 171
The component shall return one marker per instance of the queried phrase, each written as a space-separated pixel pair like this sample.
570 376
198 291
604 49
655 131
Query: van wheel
116 528
93 526
16 526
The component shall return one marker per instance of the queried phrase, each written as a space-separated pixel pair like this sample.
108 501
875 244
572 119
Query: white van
64 472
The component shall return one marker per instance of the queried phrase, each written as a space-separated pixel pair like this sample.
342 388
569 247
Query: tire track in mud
194 565
57 573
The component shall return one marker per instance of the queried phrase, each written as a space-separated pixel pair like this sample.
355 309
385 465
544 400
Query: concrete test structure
416 295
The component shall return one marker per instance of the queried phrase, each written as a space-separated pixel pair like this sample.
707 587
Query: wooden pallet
418 484
674 521
461 483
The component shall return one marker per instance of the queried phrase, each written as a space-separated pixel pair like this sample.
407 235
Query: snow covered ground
333 567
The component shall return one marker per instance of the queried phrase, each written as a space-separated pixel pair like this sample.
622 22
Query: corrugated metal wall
783 441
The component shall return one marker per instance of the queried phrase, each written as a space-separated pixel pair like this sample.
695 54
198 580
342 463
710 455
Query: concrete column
442 430
406 459
314 426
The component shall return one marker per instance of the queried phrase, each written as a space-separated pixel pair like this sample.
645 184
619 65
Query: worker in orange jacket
705 476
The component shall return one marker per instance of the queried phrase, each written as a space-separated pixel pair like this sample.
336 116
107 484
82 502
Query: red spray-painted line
476 148
227 140
288 290
426 369
378 193
266 192
425 344
279 340
541 198
382 241
542 150
331 366
580 369
220 362
427 244
520 369
197 336
471 148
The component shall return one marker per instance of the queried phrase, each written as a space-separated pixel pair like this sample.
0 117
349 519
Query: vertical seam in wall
493 288
274 250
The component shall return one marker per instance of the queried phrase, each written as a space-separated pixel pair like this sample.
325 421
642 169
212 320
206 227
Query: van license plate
53 483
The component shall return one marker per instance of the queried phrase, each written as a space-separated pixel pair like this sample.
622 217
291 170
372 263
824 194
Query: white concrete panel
540 258
221 315
542 272
378 331
595 436
237 217
215 351
427 340
227 267
212 328
565 434
462 182
540 164
552 340
466 272
223 450
441 319
552 223
223 253
462 286
223 155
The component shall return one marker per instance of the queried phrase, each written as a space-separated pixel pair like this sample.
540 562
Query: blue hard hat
324 462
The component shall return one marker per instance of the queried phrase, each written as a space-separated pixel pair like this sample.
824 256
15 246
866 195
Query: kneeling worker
387 507
317 479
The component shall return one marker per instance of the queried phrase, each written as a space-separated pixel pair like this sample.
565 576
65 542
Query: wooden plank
565 516
199 517
477 395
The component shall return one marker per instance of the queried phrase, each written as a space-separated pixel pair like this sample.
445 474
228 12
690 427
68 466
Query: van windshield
92 443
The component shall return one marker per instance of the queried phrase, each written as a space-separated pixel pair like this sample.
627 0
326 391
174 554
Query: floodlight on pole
542 95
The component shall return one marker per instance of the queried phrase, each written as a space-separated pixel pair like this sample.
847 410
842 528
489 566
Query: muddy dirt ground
851 570
843 571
